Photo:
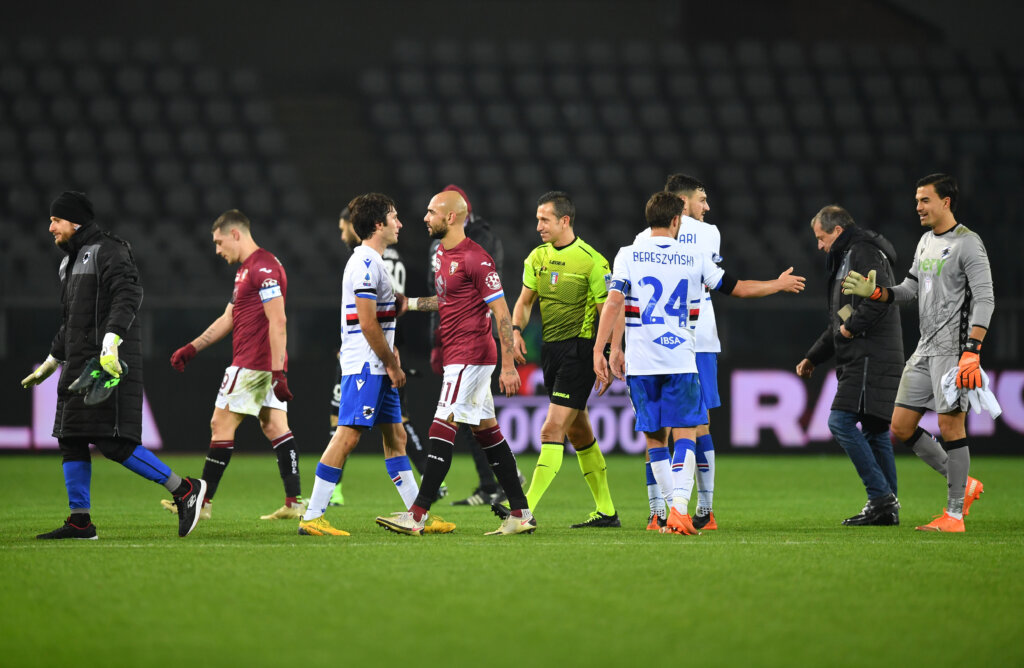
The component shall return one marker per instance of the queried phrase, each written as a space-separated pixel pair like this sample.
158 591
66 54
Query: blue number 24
675 306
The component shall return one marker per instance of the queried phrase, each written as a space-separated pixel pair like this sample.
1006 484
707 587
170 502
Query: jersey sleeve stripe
496 295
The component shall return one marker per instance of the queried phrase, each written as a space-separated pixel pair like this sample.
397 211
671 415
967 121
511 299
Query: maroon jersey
260 279
466 282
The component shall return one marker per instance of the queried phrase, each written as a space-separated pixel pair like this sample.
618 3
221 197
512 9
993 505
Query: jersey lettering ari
569 282
952 281
705 239
662 282
465 282
259 279
366 277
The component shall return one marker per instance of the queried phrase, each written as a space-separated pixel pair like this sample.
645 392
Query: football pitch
780 583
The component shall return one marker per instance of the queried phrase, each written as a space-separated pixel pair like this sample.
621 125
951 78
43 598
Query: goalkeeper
951 280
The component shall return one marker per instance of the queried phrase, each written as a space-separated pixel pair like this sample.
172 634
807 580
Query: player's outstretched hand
401 305
790 282
280 386
509 382
183 356
804 369
518 347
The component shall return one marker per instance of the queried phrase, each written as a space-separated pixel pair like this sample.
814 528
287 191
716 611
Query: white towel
979 399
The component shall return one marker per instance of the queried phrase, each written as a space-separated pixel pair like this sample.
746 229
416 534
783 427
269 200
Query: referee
570 278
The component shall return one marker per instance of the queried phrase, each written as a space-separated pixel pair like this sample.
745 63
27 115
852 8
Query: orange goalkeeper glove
968 372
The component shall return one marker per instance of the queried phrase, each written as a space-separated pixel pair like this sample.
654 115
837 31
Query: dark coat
100 293
869 365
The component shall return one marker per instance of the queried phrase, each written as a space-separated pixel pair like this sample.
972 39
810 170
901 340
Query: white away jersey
663 283
366 277
703 239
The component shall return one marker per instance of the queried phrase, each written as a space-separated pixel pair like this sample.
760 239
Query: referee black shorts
568 371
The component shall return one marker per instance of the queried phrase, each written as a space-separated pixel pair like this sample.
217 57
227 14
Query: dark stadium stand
160 140
164 140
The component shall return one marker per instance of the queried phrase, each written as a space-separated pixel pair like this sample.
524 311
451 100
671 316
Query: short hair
346 214
682 184
945 185
231 218
662 207
832 215
561 204
366 211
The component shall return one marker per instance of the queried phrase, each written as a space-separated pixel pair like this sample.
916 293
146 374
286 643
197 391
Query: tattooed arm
217 330
509 379
423 303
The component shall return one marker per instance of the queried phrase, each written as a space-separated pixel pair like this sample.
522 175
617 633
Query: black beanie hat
73 207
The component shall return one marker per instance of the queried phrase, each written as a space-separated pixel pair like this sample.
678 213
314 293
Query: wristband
411 302
973 346
517 328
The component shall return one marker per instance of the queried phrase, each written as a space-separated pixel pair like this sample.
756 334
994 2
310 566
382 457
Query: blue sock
77 478
328 473
704 446
705 472
396 465
683 467
658 454
400 471
650 475
323 486
681 447
147 465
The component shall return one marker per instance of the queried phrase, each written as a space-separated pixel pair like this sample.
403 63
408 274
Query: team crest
452 268
945 252
367 411
86 256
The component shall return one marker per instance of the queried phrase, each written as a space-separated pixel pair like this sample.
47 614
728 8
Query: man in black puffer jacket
866 339
101 295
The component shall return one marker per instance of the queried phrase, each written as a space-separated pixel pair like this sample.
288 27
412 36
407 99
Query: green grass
781 583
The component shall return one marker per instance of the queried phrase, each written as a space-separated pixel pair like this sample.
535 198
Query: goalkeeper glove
44 371
861 286
968 372
108 354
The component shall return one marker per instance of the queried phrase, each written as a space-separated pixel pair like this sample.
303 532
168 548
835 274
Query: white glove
42 373
108 354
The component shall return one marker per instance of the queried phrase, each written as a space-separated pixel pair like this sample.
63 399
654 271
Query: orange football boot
944 523
679 523
655 522
972 493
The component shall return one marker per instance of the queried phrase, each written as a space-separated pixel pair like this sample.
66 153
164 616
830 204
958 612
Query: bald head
450 201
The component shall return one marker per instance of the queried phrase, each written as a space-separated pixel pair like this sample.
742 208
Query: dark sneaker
478 498
500 511
69 530
706 522
597 519
189 505
655 522
873 511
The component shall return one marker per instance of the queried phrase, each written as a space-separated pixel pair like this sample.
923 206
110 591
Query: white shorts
245 391
466 393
